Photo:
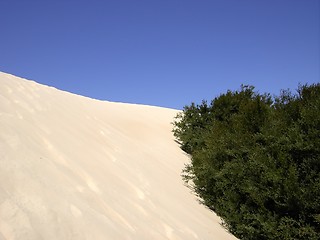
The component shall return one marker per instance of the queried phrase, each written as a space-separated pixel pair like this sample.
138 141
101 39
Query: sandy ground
76 168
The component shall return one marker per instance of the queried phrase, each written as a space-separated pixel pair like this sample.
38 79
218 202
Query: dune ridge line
72 167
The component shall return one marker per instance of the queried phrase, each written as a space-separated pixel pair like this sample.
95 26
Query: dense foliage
255 161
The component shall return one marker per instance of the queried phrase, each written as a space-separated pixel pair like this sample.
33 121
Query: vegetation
255 161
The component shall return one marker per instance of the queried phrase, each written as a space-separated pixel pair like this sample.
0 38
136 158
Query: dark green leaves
255 161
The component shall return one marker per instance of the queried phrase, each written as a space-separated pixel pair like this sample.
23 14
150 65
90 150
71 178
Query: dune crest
72 167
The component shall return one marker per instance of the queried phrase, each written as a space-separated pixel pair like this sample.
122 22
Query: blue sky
161 52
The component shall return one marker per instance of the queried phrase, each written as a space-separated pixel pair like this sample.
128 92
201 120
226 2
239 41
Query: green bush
255 161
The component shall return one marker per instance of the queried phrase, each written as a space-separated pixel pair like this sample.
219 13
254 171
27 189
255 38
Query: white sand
77 168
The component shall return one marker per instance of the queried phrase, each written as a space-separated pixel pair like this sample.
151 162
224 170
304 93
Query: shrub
255 161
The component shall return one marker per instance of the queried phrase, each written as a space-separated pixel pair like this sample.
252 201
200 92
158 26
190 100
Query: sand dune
76 168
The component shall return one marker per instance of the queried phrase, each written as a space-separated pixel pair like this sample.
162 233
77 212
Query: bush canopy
255 160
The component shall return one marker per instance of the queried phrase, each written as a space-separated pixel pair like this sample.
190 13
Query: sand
72 167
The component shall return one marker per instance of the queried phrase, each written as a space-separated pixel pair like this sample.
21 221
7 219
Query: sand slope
77 168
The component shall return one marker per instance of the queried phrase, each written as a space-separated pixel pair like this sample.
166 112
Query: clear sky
161 52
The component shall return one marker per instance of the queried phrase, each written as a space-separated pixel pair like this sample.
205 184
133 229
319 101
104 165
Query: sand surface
72 167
